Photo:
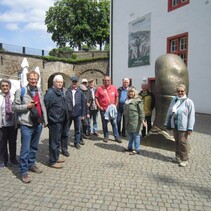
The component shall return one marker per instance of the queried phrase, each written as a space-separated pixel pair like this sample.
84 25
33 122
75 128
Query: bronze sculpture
170 71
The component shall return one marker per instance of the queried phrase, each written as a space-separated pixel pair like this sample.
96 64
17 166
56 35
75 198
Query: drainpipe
111 41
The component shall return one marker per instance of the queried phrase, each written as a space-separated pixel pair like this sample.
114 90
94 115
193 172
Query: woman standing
8 131
134 119
181 118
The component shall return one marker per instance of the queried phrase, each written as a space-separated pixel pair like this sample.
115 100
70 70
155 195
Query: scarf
8 106
179 101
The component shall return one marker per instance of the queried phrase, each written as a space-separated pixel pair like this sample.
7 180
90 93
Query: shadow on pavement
109 146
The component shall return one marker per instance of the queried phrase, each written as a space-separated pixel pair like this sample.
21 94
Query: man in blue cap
76 108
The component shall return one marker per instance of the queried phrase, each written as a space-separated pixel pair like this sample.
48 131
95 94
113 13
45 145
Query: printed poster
139 41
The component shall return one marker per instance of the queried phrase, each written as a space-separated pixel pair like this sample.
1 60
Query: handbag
34 116
168 126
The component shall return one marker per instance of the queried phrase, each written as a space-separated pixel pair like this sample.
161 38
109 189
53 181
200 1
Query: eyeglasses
180 91
33 79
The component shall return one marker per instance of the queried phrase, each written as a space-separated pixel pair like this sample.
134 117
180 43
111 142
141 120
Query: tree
78 22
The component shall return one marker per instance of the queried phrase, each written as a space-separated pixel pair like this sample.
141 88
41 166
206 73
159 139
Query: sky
22 23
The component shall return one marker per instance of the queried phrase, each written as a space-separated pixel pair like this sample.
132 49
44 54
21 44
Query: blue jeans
29 146
77 127
134 138
93 116
105 126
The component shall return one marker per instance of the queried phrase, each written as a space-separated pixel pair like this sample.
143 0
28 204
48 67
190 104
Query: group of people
128 112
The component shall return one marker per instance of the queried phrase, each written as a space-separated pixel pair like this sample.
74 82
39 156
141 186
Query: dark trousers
65 136
121 121
149 126
8 135
55 137
77 127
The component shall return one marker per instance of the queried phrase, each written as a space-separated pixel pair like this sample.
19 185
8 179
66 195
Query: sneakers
25 178
118 140
56 165
35 169
183 163
14 162
134 152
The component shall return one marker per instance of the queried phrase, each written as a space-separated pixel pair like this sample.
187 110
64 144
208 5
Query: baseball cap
84 80
74 78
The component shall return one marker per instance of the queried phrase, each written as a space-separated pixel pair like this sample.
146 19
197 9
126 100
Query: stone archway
66 79
97 75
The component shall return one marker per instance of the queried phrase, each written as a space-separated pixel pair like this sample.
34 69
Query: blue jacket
80 106
55 105
184 119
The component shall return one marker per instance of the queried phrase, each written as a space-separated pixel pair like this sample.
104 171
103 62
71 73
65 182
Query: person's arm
98 104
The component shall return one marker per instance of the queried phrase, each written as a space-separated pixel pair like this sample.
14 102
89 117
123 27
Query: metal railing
22 50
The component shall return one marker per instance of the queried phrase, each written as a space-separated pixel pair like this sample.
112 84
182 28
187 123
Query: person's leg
95 125
176 138
137 139
115 128
130 142
26 136
104 124
12 143
54 141
123 127
65 136
77 126
183 145
119 120
3 146
149 123
34 145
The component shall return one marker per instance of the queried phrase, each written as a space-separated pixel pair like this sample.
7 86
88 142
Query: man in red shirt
105 96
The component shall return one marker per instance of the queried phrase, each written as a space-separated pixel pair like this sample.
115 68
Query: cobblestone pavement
100 176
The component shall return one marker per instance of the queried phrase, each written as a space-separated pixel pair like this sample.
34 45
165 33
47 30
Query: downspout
111 41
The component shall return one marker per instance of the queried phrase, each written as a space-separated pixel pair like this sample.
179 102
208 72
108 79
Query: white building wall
194 18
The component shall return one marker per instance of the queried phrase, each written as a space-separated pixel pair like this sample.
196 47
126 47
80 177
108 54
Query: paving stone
100 176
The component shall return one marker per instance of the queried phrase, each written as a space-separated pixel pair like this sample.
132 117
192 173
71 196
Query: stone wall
10 68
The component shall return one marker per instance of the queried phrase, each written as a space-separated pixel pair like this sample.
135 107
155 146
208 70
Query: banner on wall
139 41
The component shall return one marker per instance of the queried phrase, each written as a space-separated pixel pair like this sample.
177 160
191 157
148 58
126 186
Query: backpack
34 114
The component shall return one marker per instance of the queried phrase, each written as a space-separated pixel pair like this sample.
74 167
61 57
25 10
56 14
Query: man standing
75 101
106 97
27 99
149 104
122 97
93 110
88 101
56 110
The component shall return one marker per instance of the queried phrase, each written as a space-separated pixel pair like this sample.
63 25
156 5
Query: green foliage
74 56
75 22
71 60
60 51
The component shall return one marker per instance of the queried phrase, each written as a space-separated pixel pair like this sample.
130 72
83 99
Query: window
175 4
178 45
